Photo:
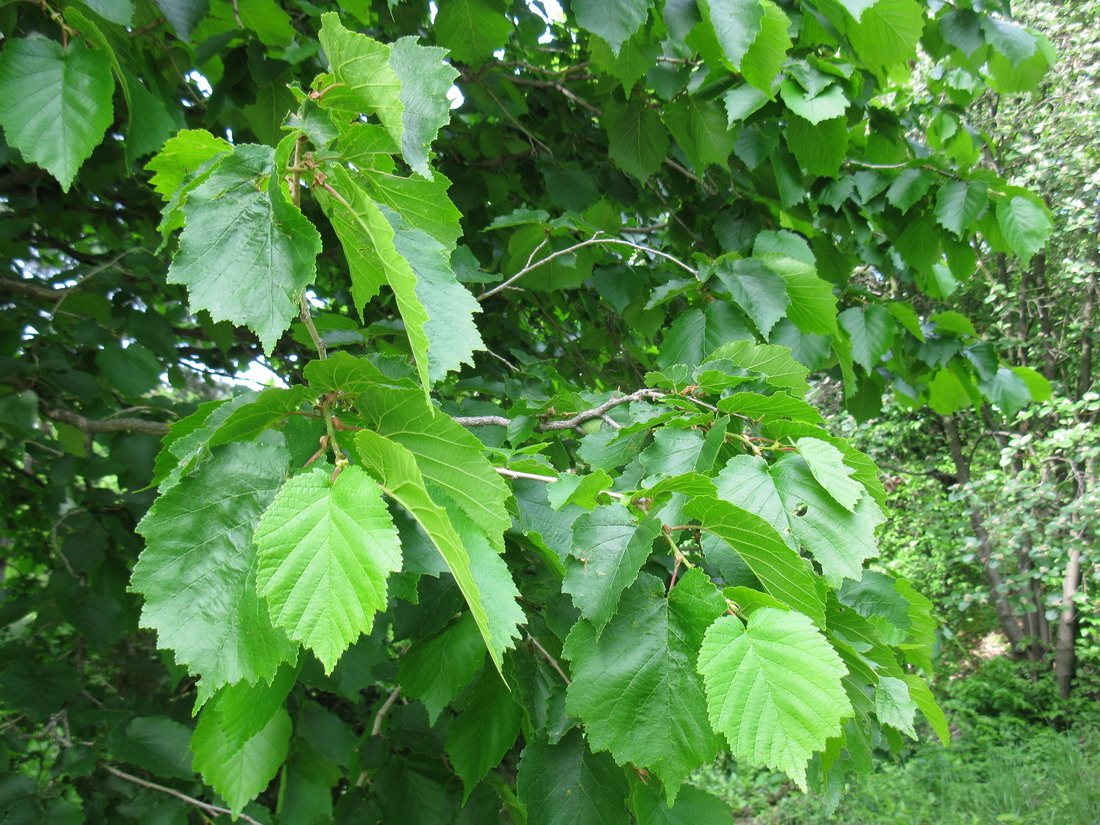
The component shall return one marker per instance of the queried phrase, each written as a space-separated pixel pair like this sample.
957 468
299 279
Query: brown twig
376 728
198 803
546 655
111 425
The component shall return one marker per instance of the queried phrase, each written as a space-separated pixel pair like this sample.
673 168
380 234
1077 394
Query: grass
1046 778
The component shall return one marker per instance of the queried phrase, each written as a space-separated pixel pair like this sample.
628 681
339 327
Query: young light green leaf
609 548
396 468
840 540
55 102
893 706
566 784
198 571
778 567
635 685
773 362
243 736
736 24
181 157
827 465
325 549
763 407
446 454
434 670
920 693
482 733
613 20
246 251
773 688
813 304
425 80
871 330
757 289
364 80
765 56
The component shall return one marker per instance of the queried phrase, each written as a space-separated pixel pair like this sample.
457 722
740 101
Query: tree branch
32 290
190 800
590 242
107 425
568 423
504 471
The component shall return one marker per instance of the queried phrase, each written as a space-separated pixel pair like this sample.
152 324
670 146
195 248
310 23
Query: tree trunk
1008 621
1065 655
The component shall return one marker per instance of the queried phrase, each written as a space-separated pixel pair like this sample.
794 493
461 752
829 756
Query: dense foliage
534 519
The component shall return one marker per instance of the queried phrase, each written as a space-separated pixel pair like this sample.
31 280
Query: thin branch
307 319
376 728
483 420
32 290
546 655
706 187
590 242
190 800
597 412
565 91
504 471
113 425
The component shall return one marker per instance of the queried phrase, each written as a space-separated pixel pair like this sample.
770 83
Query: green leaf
367 81
1012 41
736 24
637 139
779 568
636 57
148 121
583 490
887 33
156 743
840 540
1025 225
485 731
425 80
182 156
270 407
198 571
609 548
762 407
325 549
871 330
55 102
695 334
946 394
422 203
827 465
919 693
905 315
436 309
693 806
184 15
131 371
635 685
699 126
908 188
876 597
117 11
471 29
959 204
765 56
396 468
893 705
820 147
566 784
268 20
773 688
434 670
246 251
813 304
613 20
1037 385
741 102
757 289
828 104
773 362
243 737
446 454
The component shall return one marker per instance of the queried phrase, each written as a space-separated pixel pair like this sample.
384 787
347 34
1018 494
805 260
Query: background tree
576 441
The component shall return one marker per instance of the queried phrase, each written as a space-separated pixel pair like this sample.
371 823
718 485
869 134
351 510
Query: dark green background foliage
533 518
